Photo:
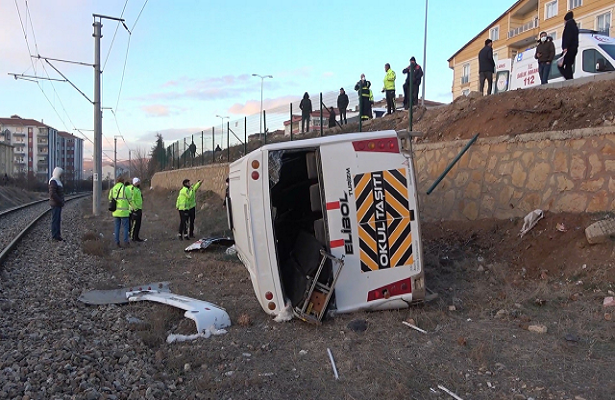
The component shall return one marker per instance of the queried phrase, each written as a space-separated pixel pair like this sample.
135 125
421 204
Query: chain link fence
232 139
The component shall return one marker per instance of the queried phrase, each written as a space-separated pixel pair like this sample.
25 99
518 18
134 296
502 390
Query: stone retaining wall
213 176
508 177
497 178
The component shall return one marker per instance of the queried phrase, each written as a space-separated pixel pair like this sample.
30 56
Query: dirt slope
511 113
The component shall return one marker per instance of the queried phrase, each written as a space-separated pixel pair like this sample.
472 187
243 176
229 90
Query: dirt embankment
12 196
510 113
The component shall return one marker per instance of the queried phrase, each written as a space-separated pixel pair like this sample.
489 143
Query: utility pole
114 159
97 176
424 54
129 164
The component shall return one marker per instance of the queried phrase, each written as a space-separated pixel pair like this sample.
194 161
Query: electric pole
114 160
97 176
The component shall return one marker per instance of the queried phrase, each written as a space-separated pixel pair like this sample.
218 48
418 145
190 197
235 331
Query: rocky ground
11 196
515 319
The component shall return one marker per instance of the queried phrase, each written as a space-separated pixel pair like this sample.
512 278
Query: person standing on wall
486 66
331 117
570 46
389 88
366 97
56 202
306 112
545 53
342 105
136 210
417 76
121 214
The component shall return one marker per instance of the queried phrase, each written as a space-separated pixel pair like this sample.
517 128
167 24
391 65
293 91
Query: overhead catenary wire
114 35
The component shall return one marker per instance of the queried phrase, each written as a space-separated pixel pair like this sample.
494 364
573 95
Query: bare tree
139 166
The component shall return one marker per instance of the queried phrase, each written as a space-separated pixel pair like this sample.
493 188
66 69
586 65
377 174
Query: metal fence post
321 128
360 109
245 135
265 125
192 155
228 142
291 122
213 145
202 149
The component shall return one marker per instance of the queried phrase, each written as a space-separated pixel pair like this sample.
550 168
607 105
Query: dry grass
92 244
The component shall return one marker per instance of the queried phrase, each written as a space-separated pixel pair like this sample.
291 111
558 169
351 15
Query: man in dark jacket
545 53
306 111
416 82
56 202
486 66
342 105
570 45
331 117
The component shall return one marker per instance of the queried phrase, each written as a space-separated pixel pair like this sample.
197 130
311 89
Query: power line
114 34
127 49
25 35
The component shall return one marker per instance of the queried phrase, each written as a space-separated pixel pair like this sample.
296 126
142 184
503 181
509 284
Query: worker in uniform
366 98
121 214
186 206
389 88
136 210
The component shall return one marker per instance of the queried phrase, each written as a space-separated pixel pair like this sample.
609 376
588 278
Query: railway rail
17 221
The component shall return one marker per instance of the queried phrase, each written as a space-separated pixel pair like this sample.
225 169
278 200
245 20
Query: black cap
412 58
341 88
569 15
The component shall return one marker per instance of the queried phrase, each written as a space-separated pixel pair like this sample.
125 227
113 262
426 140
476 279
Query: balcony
19 134
528 26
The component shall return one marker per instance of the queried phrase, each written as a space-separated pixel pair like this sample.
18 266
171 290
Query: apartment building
30 140
519 27
68 151
6 160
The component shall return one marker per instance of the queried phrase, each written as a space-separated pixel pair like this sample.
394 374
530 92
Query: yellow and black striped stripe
385 238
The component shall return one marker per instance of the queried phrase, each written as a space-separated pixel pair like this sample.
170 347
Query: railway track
17 221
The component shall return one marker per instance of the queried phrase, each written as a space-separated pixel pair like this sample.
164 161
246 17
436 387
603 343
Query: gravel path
13 223
54 347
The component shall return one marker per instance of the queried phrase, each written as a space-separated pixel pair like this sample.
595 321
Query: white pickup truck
332 218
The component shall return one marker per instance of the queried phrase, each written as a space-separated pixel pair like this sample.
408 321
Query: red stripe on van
337 243
334 205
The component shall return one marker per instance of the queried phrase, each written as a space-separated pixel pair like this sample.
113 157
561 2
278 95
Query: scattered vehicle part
352 196
205 243
530 221
203 313
453 395
333 364
413 326
561 227
172 338
118 296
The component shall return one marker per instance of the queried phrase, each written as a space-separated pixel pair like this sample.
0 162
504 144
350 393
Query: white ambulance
332 218
596 54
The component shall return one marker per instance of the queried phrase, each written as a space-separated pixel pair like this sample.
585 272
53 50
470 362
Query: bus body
353 196
596 54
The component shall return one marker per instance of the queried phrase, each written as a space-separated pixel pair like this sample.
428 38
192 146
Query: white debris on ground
530 221
172 338
286 314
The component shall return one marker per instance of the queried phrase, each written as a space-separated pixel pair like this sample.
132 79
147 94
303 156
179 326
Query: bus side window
594 62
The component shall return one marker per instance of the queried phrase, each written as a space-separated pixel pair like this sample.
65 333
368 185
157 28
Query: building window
551 9
603 23
465 76
574 4
552 35
465 92
494 33
495 58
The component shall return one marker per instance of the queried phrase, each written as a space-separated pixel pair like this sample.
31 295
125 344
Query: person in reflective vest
136 210
366 98
186 206
121 214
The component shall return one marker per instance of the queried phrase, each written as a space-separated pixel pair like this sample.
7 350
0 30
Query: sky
186 61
